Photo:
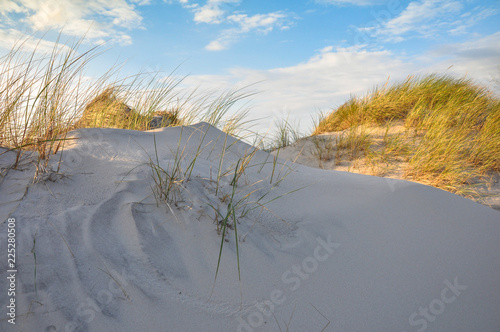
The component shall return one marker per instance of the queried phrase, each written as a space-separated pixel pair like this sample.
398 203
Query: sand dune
344 252
305 152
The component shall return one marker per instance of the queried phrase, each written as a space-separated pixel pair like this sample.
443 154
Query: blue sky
307 55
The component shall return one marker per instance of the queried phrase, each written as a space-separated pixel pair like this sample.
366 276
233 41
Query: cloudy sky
307 55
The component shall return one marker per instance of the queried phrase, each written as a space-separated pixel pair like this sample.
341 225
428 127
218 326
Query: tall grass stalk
285 134
217 112
40 94
45 95
168 181
230 213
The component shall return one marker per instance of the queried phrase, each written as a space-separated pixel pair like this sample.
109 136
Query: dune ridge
344 252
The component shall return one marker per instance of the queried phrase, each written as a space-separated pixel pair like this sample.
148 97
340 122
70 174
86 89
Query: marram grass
44 95
452 128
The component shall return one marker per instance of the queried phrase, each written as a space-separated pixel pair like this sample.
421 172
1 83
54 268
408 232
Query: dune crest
344 251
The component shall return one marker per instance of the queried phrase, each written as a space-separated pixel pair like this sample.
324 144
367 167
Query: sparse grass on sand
44 95
230 207
450 134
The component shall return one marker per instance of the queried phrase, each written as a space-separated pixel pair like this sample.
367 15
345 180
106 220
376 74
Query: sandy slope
305 152
356 252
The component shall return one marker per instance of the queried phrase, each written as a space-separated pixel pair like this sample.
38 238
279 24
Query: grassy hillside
450 136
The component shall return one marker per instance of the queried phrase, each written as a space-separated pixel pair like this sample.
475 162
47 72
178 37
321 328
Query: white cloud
420 16
350 2
143 2
477 57
326 49
329 77
182 2
10 38
7 6
263 23
324 81
469 19
425 18
212 11
221 12
216 45
96 19
225 39
208 14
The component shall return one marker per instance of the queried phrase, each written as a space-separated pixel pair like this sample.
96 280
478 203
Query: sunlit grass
39 95
451 135
45 95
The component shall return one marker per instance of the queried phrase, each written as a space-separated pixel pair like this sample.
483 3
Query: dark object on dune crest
164 119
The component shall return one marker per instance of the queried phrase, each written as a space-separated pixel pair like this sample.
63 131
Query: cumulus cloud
212 12
217 45
476 57
7 6
324 81
11 37
182 2
208 14
96 19
469 19
217 12
421 17
261 23
143 2
331 75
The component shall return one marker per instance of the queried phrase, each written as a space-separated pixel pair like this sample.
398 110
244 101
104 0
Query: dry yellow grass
452 129
45 95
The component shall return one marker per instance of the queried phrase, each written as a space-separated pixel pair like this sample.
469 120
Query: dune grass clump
452 127
109 110
285 134
105 110
159 104
38 94
414 100
45 94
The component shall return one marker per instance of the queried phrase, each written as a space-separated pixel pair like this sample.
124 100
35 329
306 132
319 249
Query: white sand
354 252
305 152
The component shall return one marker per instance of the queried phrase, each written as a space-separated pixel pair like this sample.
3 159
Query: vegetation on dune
108 110
451 128
450 136
44 95
451 125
